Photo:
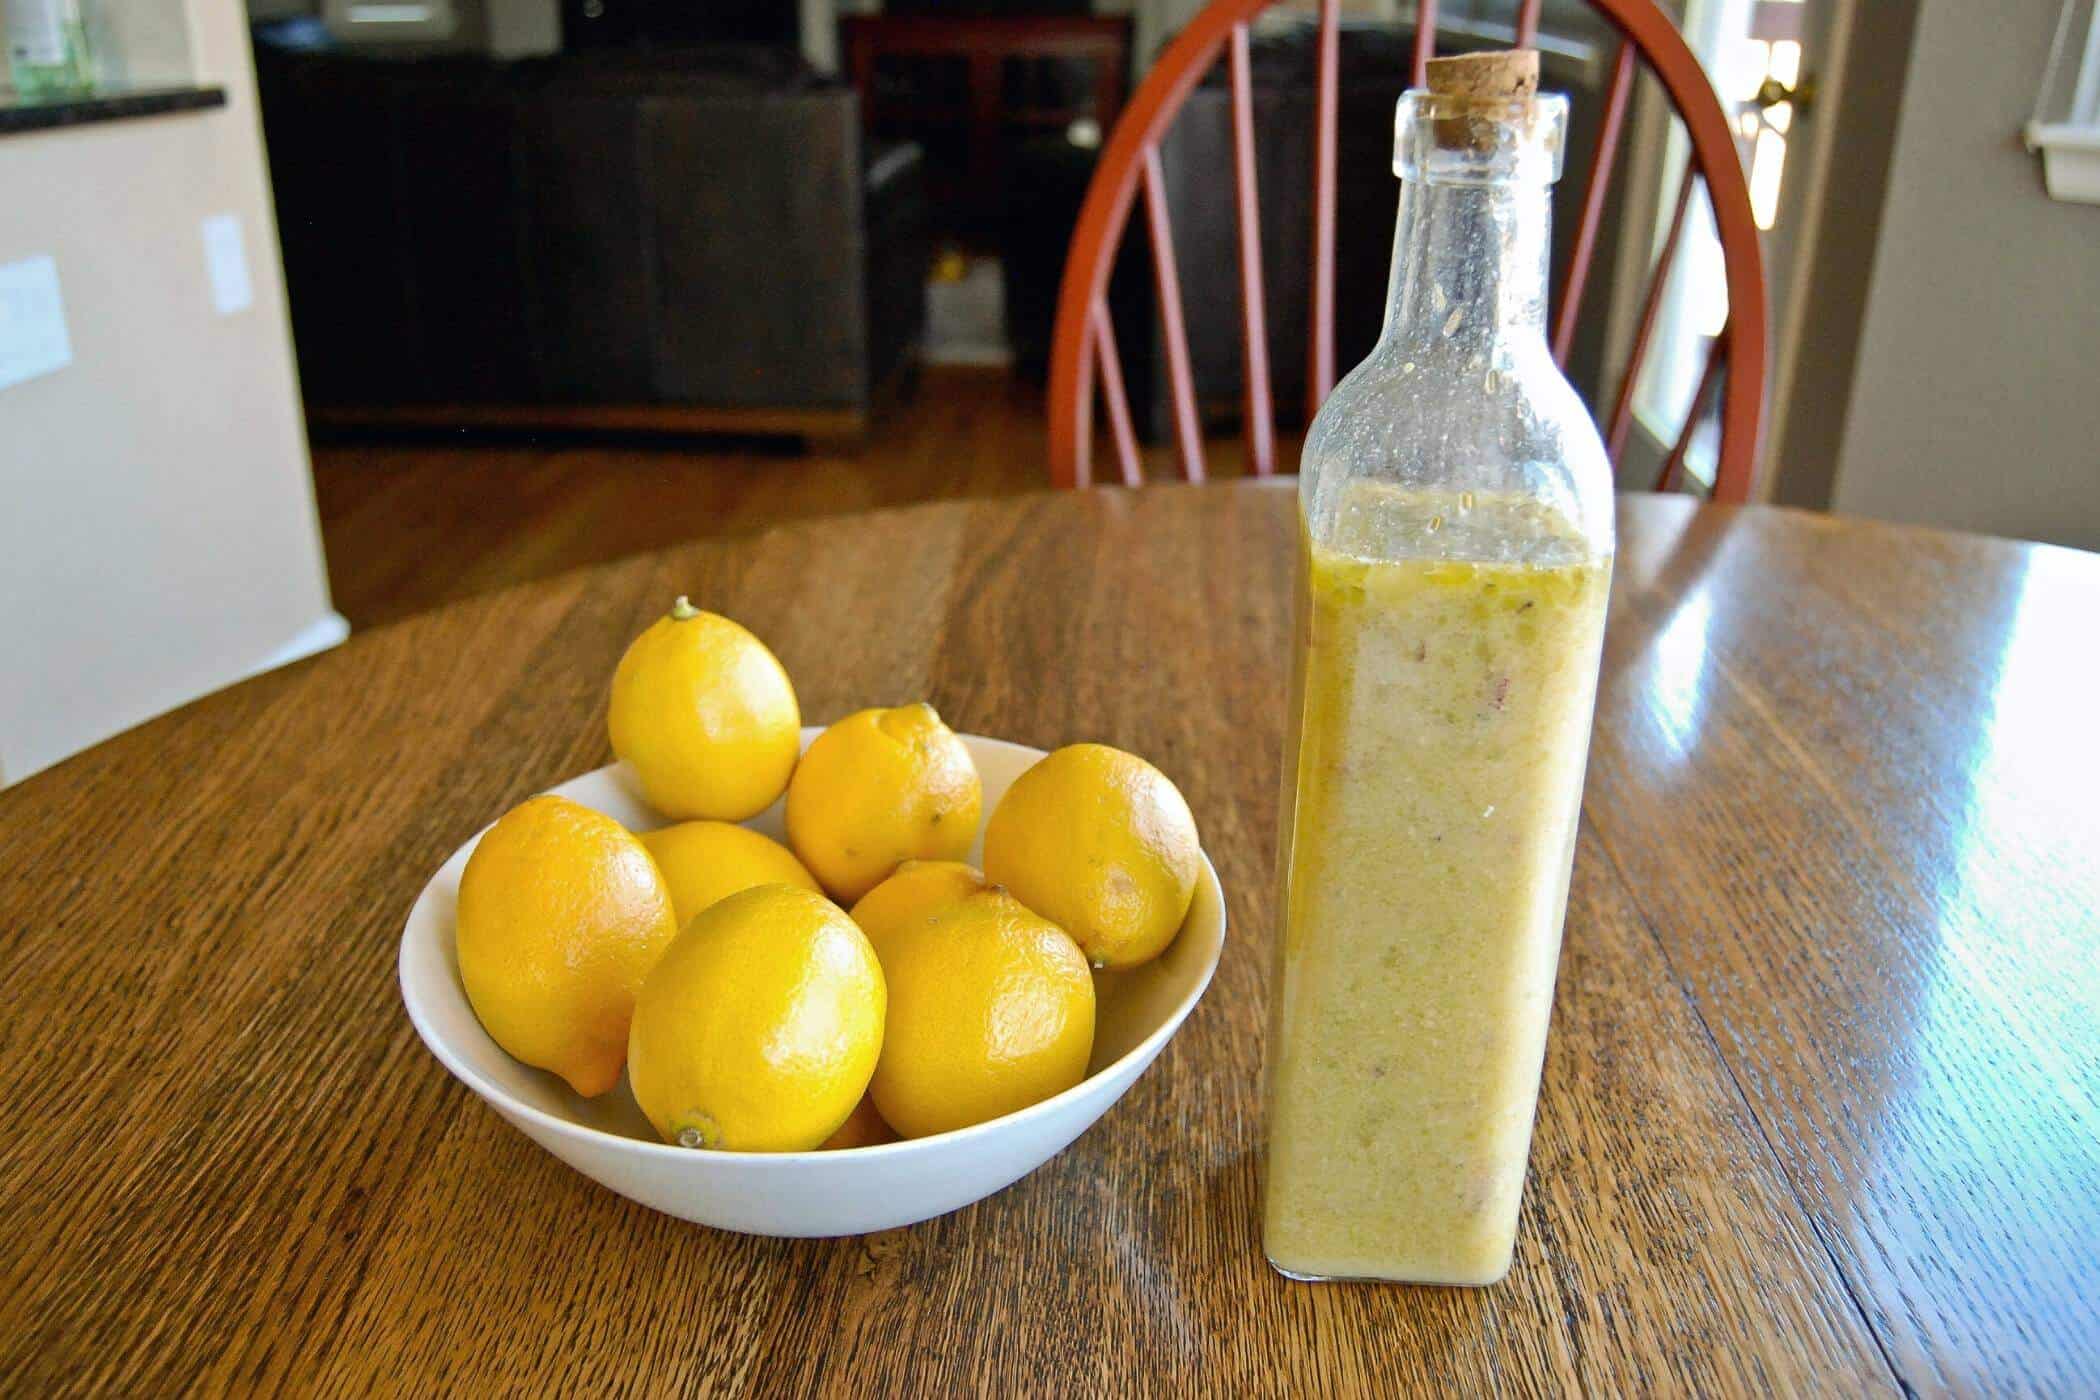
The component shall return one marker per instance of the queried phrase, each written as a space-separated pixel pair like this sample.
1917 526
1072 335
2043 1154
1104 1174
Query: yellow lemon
878 788
758 1030
916 889
991 1010
561 915
706 861
1101 843
706 715
863 1128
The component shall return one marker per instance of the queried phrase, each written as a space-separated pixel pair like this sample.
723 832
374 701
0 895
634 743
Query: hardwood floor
413 522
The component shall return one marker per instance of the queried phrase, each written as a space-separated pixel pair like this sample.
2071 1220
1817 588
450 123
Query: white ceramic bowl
800 1193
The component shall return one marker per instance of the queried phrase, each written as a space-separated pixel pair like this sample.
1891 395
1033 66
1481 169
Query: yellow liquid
1442 712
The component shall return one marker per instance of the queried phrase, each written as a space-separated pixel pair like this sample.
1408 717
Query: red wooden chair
1084 343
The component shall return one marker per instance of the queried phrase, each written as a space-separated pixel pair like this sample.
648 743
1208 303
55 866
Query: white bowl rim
582 1132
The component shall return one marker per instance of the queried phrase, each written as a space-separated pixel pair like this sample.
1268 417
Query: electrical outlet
226 260
33 337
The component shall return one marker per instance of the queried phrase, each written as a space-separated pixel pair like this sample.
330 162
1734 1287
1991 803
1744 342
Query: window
2066 123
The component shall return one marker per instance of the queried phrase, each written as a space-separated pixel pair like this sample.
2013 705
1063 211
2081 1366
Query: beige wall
1976 403
157 529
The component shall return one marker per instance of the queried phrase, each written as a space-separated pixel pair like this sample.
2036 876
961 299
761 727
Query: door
1765 59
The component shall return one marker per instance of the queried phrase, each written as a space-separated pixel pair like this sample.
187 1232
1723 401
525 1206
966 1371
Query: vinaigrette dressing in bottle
1456 549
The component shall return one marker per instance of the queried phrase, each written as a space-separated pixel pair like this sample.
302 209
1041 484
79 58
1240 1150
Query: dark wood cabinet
685 239
971 90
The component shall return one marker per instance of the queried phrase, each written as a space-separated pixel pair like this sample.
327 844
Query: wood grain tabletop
1819 1110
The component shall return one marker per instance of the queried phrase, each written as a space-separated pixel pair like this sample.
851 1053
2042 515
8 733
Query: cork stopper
1492 80
1497 76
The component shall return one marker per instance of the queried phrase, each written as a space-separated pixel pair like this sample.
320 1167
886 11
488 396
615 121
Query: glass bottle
47 49
1456 546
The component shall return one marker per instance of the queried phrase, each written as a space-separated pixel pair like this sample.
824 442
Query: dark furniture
978 9
1196 159
591 24
972 89
681 239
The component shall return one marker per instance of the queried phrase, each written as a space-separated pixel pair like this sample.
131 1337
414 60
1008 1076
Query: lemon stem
682 610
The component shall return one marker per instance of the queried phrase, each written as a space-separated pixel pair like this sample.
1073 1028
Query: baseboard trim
331 629
618 417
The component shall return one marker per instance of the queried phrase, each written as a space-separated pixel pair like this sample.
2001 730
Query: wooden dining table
1819 1108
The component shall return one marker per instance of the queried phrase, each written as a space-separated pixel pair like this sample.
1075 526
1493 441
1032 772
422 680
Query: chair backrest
1084 345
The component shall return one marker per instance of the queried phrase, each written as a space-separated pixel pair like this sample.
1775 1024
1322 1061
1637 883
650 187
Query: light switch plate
226 260
33 337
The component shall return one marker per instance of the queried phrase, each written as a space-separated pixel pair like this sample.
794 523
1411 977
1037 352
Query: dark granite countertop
36 114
